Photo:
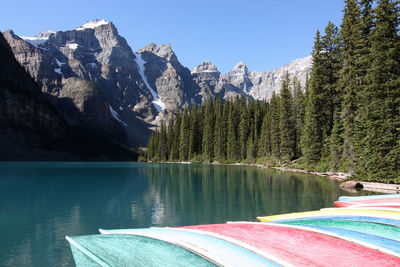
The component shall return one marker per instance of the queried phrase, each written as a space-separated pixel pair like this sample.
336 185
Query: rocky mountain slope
94 76
31 127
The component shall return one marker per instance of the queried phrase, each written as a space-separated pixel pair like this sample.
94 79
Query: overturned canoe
383 244
354 204
350 198
130 250
222 252
393 202
373 228
334 212
317 248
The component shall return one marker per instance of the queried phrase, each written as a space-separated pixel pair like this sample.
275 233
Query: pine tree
256 127
265 136
350 76
170 136
287 124
156 145
174 153
315 115
208 132
299 112
219 132
225 117
275 127
336 141
367 24
380 112
331 60
232 138
244 130
194 132
150 148
184 133
250 149
163 142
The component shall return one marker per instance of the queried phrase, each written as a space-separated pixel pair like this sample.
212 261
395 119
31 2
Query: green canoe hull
129 250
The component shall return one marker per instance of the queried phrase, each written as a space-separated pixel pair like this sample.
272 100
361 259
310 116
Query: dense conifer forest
345 118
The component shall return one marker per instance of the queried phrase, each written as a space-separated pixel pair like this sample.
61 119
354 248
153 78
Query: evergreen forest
345 118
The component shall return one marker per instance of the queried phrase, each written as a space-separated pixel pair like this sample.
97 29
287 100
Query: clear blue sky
264 34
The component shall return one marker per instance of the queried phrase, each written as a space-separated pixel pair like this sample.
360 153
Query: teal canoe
378 229
355 198
220 251
130 250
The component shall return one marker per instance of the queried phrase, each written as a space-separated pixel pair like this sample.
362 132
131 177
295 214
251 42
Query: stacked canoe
362 231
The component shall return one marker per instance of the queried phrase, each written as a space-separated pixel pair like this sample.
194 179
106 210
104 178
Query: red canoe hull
393 200
300 247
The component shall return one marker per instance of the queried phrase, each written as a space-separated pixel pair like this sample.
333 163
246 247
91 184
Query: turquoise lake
41 203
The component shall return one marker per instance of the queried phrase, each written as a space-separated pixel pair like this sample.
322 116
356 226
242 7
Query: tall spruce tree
331 60
275 127
174 153
256 128
219 132
156 145
336 142
379 125
315 115
184 133
163 142
366 24
232 138
208 131
286 121
194 132
265 136
350 77
170 135
150 148
244 130
299 103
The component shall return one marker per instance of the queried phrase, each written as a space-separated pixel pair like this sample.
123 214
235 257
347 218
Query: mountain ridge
141 87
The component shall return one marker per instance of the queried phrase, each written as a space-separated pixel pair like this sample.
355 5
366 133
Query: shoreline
341 176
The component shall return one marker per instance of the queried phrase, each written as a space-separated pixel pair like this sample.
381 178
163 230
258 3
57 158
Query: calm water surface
41 203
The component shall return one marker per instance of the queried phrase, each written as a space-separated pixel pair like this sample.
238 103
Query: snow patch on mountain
34 40
92 24
116 117
72 46
158 104
59 63
39 39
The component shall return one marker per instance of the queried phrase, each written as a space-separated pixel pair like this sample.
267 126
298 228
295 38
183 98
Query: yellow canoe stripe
333 212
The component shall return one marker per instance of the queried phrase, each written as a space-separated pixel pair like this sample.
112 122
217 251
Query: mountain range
93 77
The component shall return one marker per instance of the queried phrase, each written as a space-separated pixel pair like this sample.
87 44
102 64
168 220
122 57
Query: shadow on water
41 203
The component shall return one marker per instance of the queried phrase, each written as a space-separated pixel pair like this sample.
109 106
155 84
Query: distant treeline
346 118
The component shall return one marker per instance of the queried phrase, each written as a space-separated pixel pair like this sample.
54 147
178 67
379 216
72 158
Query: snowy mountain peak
299 63
44 34
39 39
93 24
240 67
